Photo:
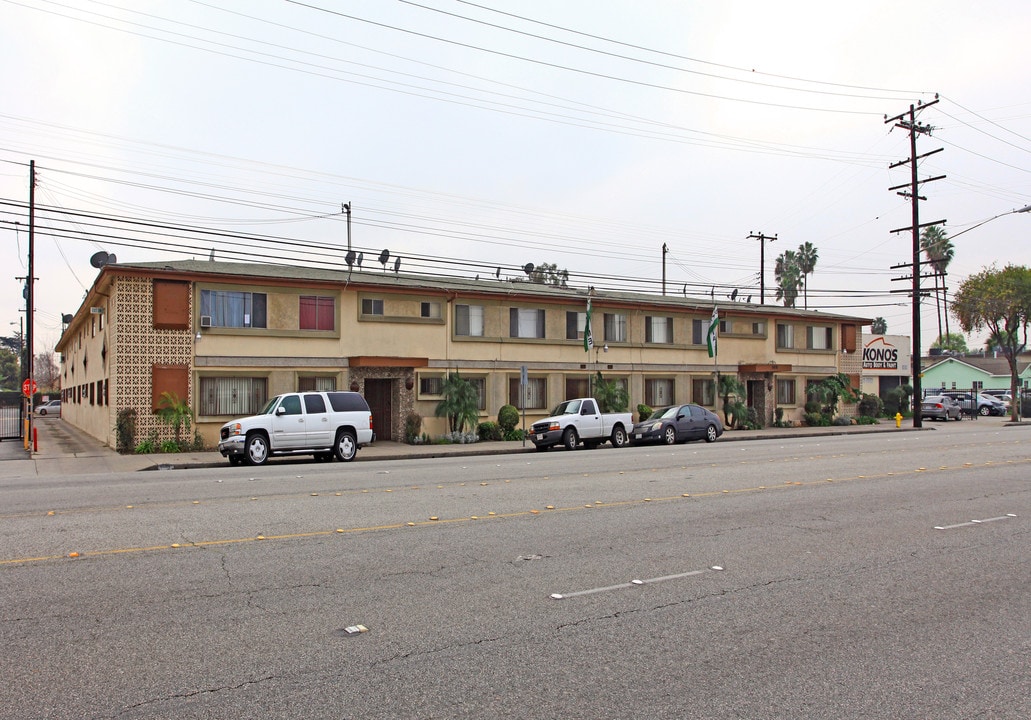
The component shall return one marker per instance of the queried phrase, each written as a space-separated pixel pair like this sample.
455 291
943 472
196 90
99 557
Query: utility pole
762 261
907 121
30 300
664 251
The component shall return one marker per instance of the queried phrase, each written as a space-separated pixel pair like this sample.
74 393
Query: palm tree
807 257
939 251
880 326
788 277
460 404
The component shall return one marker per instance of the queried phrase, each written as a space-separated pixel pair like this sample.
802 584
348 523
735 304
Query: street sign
28 387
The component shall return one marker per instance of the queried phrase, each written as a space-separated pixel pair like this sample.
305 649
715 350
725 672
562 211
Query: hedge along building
224 337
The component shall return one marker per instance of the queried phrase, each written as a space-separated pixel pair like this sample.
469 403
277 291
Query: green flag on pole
714 329
588 337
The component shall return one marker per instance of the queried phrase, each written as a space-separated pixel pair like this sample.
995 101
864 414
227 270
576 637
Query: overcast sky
473 136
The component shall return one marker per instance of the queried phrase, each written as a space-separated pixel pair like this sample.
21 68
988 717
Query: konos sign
887 353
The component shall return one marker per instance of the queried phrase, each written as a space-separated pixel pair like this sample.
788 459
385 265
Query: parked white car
323 424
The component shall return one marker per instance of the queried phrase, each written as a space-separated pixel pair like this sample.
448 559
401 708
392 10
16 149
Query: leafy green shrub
508 418
413 424
643 411
516 434
813 407
870 405
866 420
150 445
815 419
779 421
612 397
169 446
488 431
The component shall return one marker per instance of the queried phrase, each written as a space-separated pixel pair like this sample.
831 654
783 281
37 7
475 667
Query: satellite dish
528 268
361 256
111 259
497 273
66 318
397 265
99 259
733 294
349 258
748 299
383 257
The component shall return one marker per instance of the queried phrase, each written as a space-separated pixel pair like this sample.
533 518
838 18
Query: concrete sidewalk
62 449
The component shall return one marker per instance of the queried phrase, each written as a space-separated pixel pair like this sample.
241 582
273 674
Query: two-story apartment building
227 336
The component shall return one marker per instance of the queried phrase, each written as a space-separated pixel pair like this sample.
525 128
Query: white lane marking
633 583
974 522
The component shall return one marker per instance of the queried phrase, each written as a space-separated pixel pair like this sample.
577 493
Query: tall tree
939 251
549 274
879 326
951 342
788 276
460 403
999 300
806 258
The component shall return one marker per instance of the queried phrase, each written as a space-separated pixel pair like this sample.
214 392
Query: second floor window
615 327
469 320
429 310
526 323
317 313
372 306
819 338
785 336
658 330
234 309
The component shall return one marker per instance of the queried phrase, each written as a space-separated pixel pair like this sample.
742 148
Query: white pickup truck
323 424
580 420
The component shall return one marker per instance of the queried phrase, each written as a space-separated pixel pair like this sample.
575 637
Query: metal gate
11 418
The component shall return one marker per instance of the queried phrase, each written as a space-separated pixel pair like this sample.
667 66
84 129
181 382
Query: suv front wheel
256 451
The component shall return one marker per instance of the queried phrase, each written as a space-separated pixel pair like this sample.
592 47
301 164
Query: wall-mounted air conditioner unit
205 321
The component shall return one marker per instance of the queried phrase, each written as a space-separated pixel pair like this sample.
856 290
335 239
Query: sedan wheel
711 434
984 411
669 435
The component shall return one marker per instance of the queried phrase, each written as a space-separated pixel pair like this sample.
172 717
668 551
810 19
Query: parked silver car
940 407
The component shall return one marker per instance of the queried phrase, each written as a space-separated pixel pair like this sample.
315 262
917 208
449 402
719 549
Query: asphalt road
832 577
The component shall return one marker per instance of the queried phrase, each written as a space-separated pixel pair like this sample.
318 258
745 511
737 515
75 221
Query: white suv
323 424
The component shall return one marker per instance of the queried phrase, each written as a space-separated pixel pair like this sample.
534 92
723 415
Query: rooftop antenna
346 208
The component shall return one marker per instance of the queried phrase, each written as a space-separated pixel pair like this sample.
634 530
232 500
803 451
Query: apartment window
658 330
698 328
234 309
658 392
759 327
819 338
703 392
785 337
526 323
535 395
316 383
726 326
481 390
469 320
786 392
317 313
575 322
430 384
615 327
236 396
372 306
429 310
578 387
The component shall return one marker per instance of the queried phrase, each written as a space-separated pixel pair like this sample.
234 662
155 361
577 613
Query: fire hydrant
898 419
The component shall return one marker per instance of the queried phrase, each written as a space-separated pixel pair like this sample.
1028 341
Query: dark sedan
678 423
940 407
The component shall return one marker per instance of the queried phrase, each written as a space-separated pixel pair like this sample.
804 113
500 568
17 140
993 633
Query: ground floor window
316 383
578 387
703 391
658 392
236 396
786 392
536 398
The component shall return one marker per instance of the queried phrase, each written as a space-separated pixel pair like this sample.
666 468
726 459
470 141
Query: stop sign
28 387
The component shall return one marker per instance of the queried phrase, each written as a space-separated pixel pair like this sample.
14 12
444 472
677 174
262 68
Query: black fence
12 417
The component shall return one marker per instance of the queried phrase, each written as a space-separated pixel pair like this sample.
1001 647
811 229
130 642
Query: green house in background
960 373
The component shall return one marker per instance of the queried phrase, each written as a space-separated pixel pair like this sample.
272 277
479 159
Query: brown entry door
377 394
